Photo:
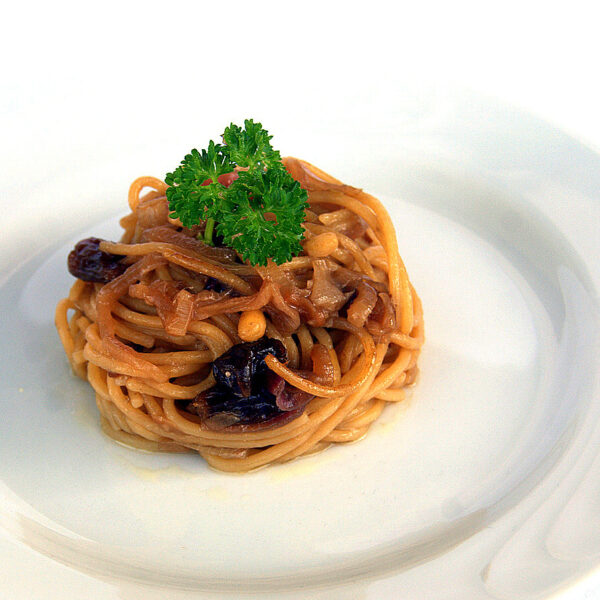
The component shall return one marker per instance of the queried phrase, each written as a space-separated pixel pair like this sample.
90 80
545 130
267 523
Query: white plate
484 484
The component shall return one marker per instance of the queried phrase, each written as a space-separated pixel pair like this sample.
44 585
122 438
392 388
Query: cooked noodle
345 310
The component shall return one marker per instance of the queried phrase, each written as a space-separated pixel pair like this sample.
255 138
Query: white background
72 72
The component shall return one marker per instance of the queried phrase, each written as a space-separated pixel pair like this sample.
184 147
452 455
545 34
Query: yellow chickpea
321 245
252 325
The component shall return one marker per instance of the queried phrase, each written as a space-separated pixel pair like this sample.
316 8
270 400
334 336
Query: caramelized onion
325 294
363 305
383 317
310 177
344 221
172 236
151 213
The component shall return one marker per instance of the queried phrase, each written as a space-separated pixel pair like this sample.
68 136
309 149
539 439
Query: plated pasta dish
255 310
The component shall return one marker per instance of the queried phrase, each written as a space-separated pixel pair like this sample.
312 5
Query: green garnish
260 214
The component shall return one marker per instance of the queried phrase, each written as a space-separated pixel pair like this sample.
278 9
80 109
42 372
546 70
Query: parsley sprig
260 214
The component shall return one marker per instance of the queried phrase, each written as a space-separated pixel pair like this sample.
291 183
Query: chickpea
252 325
321 245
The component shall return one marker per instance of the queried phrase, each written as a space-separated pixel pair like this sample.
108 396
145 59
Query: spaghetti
343 316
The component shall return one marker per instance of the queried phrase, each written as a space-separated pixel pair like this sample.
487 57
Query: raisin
88 263
219 408
214 285
247 394
241 367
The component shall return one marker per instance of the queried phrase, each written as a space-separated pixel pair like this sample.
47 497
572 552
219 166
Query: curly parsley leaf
260 214
265 211
191 198
251 147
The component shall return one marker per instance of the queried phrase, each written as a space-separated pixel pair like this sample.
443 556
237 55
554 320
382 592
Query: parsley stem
208 231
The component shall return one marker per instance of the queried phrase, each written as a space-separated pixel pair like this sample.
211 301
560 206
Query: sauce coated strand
336 391
178 256
106 300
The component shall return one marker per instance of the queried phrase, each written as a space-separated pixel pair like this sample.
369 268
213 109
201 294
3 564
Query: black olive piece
241 367
88 263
